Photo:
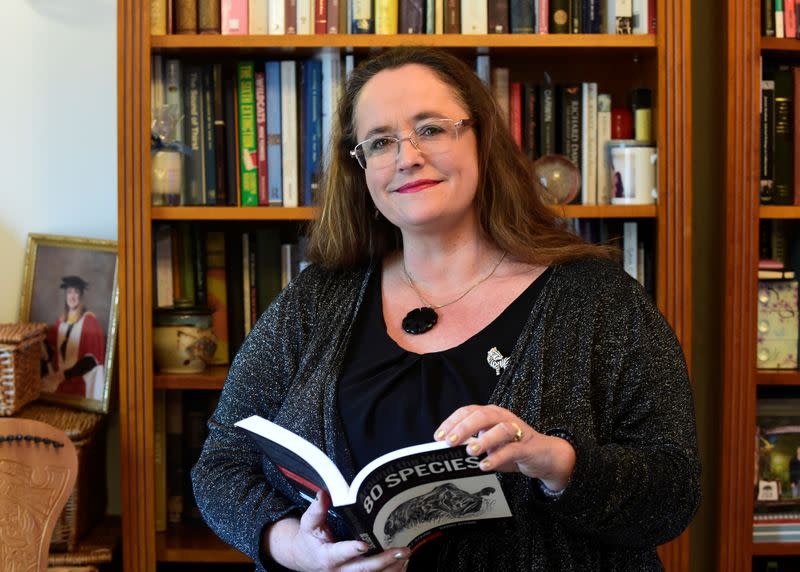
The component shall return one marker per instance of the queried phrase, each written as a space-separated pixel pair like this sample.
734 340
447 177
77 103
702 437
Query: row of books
250 133
253 17
779 150
779 18
777 504
634 239
179 419
235 274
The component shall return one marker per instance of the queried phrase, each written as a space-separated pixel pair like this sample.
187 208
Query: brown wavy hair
347 234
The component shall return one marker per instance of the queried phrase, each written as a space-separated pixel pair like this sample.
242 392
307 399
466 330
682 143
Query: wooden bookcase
661 61
741 380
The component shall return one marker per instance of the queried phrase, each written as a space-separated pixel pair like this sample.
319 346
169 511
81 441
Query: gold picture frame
70 283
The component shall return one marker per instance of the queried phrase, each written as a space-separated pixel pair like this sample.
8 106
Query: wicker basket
20 365
86 505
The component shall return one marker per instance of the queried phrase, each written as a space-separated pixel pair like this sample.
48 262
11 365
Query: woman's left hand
511 444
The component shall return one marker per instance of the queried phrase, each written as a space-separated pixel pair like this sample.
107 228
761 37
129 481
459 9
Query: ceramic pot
183 341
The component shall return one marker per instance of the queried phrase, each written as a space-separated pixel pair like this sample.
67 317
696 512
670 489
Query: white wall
58 139
58 128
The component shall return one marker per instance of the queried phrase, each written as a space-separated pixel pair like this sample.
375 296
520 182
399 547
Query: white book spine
779 24
289 133
474 17
603 137
305 16
257 17
639 16
590 151
277 17
630 248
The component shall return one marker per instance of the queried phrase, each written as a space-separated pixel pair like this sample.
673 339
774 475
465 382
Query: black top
390 397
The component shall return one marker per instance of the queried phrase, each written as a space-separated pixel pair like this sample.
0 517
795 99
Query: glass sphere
559 177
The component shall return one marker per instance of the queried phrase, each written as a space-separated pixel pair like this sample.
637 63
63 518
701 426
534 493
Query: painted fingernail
439 435
453 438
486 465
474 448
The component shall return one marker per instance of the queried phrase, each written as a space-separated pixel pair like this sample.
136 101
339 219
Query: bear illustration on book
444 502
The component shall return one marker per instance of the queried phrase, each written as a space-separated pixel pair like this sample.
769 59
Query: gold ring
518 435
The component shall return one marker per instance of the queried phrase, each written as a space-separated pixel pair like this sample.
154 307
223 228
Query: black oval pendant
420 320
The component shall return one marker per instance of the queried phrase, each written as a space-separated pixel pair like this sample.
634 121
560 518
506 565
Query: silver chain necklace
421 320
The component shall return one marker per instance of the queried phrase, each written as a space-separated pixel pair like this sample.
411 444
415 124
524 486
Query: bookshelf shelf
232 213
766 377
777 45
606 211
195 544
776 548
366 41
212 378
779 212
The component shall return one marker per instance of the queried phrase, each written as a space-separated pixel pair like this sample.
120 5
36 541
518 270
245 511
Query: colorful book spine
261 137
321 16
543 17
386 16
289 133
304 17
452 17
272 72
363 18
234 19
248 145
312 137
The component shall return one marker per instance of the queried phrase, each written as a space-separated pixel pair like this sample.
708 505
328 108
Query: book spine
334 26
163 266
217 294
261 137
159 458
790 19
199 266
274 160
530 120
231 139
523 17
571 124
158 17
779 23
233 287
257 17
796 133
783 186
289 133
244 262
302 16
603 136
208 17
767 140
293 19
543 17
589 143
430 16
185 16
220 145
500 89
411 16
474 17
559 16
276 17
500 21
623 16
321 16
268 266
386 16
452 17
640 16
313 135
209 144
547 120
363 18
576 16
630 246
515 112
248 146
174 456
233 16
193 103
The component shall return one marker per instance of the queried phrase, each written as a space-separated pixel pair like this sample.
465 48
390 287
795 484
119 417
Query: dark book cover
290 17
185 16
193 135
199 265
499 16
768 18
530 120
174 456
523 17
209 144
209 20
560 22
312 132
452 17
333 16
570 132
400 499
576 16
767 141
547 119
233 286
268 266
783 185
220 145
195 416
231 136
411 15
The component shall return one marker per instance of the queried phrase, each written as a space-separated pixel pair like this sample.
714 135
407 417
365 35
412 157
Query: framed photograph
778 454
71 285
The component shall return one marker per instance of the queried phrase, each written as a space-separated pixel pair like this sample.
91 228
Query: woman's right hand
308 544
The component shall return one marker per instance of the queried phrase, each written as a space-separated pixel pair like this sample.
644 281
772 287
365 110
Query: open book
398 499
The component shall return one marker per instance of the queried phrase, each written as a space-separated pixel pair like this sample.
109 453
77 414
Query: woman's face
419 193
73 298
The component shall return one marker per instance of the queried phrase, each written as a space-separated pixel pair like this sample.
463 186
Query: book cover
530 121
261 136
571 121
220 145
386 16
398 499
559 16
209 140
575 16
230 138
321 16
333 16
185 16
452 17
208 17
474 17
233 287
289 133
257 17
783 183
547 119
234 17
778 455
158 17
522 17
499 19
193 135
412 16
589 143
272 72
276 17
248 147
363 18
767 141
312 133
302 16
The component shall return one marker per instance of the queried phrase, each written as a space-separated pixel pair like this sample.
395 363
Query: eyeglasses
430 137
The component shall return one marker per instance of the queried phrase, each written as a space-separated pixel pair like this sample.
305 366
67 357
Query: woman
76 346
447 301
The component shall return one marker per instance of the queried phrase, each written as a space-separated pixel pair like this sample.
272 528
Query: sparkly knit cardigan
595 360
